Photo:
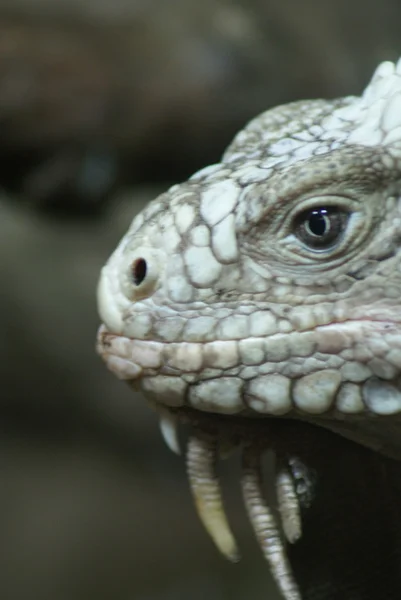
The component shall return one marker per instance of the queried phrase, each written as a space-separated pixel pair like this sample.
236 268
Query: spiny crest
375 117
300 130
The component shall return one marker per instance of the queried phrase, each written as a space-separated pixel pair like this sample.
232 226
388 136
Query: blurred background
102 106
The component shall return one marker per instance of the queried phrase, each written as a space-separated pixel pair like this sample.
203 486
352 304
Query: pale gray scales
269 285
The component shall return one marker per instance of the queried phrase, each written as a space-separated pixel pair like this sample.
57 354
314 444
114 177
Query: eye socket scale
139 270
320 228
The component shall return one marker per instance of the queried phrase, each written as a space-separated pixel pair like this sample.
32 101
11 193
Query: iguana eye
322 227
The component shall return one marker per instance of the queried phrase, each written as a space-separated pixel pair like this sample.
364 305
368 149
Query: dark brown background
102 105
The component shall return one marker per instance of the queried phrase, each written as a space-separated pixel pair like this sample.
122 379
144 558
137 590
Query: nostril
141 276
139 269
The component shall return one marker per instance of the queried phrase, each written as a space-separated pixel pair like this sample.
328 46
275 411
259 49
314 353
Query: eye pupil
318 222
139 269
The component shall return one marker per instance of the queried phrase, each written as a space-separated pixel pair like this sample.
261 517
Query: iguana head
267 289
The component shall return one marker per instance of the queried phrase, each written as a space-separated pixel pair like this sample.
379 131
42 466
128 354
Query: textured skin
222 297
320 329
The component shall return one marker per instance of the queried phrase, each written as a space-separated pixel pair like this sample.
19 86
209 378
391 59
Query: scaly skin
268 286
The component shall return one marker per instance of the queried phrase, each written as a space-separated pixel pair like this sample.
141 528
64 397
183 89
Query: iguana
259 302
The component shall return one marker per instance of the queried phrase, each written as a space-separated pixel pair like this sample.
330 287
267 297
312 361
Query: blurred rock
151 90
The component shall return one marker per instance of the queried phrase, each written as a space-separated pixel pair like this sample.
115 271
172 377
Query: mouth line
187 358
385 323
381 326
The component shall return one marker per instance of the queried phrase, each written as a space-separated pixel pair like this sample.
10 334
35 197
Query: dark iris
139 269
320 227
